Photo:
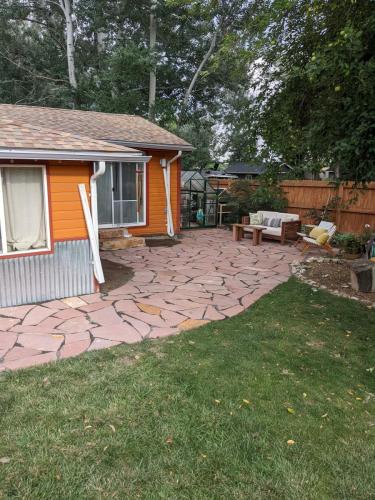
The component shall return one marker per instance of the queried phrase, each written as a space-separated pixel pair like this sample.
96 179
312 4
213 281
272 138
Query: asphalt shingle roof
18 135
245 168
129 130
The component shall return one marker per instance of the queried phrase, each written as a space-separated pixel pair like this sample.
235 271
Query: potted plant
351 245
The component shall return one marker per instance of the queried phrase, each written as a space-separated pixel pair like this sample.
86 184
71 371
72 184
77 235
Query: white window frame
144 188
4 250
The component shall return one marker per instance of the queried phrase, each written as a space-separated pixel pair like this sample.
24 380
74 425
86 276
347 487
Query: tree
311 102
66 7
152 88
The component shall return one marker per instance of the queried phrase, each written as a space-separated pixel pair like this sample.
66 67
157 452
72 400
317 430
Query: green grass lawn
207 414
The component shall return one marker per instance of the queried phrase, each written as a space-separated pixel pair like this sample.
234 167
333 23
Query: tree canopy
287 80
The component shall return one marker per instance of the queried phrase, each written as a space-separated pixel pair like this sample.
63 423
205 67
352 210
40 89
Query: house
217 174
129 167
245 170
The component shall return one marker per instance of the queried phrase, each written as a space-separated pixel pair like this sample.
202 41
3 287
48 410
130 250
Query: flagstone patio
205 278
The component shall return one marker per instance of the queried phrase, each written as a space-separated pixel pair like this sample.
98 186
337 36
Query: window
121 195
24 223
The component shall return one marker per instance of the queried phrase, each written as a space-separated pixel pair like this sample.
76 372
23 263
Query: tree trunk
100 40
152 86
66 7
200 68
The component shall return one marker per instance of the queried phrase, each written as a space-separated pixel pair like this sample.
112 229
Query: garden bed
333 275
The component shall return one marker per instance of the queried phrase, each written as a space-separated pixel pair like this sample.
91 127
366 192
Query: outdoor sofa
290 225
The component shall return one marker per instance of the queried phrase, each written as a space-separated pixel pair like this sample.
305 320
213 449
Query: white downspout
94 198
166 166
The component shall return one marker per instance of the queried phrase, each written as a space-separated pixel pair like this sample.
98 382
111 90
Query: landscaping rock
362 276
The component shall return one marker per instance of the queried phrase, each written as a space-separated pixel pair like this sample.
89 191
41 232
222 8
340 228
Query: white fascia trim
44 154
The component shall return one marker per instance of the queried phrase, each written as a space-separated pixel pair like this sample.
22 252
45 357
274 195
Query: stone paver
37 314
7 323
207 277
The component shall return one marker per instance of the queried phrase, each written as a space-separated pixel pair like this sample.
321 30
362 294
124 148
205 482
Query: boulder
362 276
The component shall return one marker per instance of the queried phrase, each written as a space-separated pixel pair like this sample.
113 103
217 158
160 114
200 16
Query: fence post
339 206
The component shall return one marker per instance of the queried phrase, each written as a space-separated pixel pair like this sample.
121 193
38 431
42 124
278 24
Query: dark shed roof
240 167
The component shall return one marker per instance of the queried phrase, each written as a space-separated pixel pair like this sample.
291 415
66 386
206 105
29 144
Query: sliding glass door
121 195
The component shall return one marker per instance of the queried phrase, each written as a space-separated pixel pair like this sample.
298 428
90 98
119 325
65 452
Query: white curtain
24 208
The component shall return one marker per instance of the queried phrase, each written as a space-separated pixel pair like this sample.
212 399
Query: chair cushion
310 240
326 225
323 238
256 219
316 232
273 231
274 222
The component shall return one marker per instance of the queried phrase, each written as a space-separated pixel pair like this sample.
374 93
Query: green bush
246 196
348 242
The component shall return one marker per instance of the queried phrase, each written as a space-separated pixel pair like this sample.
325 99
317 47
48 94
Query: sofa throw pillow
316 232
272 222
323 238
276 222
256 219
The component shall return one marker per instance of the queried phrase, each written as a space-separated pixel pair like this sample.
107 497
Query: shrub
246 196
348 242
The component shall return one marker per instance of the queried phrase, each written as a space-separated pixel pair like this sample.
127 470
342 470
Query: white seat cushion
310 240
274 231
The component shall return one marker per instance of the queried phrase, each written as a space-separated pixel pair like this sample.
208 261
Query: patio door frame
141 195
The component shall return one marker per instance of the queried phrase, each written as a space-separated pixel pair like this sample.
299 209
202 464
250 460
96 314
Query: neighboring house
217 174
45 153
325 174
244 170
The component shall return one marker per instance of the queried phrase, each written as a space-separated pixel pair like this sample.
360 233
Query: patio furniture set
284 227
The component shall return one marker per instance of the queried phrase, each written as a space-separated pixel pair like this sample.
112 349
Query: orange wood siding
66 214
68 221
156 202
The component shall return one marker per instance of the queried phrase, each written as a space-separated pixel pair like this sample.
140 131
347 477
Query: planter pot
351 256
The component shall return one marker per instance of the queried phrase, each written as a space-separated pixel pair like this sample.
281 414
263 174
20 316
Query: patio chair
310 243
322 224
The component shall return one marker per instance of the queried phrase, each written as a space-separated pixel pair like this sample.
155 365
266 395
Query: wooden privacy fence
304 195
355 207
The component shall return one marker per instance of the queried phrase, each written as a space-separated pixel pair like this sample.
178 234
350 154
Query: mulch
336 277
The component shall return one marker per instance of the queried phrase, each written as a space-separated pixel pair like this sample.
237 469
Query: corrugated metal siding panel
65 273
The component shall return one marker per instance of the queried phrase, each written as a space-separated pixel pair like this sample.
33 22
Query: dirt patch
317 344
156 350
161 242
127 361
335 276
115 274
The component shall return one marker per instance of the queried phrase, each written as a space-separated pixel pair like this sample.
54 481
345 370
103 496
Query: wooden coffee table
257 234
238 232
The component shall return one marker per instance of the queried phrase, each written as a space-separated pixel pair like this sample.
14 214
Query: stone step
121 243
117 232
